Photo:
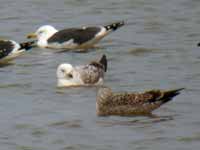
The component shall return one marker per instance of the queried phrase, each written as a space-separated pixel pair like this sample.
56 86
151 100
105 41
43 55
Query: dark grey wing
91 74
6 47
79 35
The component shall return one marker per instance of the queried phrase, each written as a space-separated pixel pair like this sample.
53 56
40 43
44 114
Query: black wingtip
103 61
27 45
198 44
115 26
169 95
177 91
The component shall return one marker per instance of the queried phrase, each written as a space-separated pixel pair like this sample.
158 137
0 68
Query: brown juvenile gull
72 38
86 75
10 49
127 104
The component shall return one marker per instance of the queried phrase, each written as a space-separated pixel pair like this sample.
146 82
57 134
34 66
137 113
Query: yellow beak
31 36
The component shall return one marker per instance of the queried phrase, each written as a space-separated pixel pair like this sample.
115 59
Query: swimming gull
85 75
72 38
10 49
132 103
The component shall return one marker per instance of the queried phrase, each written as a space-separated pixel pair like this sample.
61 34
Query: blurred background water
156 49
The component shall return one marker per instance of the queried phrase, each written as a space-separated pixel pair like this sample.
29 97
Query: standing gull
86 75
72 38
10 49
127 104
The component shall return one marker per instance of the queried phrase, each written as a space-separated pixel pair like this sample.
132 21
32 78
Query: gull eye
40 32
69 75
62 70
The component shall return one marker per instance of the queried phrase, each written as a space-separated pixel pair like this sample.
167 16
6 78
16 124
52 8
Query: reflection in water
67 124
150 119
188 139
78 147
142 51
25 147
6 64
15 85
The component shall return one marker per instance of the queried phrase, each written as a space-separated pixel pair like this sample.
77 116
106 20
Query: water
156 49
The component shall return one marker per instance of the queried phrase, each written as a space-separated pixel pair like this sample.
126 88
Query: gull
91 74
72 38
132 103
10 49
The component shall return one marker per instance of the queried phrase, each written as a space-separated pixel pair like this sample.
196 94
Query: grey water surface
156 49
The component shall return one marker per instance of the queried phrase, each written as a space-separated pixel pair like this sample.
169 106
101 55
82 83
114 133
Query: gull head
66 76
103 95
42 34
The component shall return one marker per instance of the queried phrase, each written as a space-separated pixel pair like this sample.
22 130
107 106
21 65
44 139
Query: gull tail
114 26
169 95
103 61
27 45
166 96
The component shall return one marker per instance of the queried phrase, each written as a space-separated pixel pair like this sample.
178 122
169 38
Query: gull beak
31 36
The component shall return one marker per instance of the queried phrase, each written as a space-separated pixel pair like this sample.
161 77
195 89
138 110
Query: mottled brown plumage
95 70
126 104
102 63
